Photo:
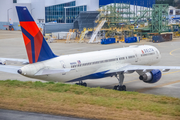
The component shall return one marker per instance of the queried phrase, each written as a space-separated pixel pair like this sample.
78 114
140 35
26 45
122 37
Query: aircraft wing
129 68
9 69
23 61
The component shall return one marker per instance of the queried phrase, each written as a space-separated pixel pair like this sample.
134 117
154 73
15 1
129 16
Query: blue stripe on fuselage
92 76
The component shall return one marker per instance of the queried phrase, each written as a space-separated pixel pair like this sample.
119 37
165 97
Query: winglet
36 46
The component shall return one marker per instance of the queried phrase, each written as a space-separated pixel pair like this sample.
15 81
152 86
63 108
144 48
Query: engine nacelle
151 77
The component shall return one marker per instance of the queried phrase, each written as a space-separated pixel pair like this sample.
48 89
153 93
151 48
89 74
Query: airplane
45 65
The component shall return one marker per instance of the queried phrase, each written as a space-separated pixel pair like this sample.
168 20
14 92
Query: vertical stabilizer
36 46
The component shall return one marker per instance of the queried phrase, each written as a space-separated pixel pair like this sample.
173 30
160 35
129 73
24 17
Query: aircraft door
136 57
157 55
63 64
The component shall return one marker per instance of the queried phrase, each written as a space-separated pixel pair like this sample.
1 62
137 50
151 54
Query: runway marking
173 51
161 45
162 74
171 72
131 81
157 86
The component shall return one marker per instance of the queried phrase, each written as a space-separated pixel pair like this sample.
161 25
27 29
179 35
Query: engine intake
151 77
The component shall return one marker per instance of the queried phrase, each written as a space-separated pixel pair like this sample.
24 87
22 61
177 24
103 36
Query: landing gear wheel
124 88
120 88
82 84
85 84
115 87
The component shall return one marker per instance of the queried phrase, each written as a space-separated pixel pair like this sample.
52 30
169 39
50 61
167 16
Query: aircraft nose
19 71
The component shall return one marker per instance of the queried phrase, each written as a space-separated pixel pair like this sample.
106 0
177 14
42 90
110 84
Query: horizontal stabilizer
23 61
9 69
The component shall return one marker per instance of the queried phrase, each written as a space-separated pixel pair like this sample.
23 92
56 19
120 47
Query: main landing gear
120 77
81 83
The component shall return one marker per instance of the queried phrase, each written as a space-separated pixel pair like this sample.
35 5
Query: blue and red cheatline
36 46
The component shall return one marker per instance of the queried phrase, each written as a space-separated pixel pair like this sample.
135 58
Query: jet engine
151 77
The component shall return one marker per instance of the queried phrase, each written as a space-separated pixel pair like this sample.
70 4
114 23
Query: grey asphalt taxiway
12 46
18 115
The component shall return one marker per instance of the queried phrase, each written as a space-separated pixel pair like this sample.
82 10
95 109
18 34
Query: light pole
65 14
8 14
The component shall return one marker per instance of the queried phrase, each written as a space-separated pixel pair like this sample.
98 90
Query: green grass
51 93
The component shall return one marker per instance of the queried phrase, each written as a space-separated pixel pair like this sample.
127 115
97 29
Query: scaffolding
159 22
97 30
123 18
82 36
70 34
68 37
118 14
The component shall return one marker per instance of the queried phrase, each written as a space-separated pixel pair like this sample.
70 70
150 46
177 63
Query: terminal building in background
60 11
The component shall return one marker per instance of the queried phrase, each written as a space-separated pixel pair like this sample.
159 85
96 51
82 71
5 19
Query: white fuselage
86 65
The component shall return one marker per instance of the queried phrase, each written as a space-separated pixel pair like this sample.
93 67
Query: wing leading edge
142 68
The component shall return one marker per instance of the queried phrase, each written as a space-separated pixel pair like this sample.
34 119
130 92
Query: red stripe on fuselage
38 39
30 27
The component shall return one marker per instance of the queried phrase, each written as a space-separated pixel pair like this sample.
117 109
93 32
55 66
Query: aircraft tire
115 87
120 88
84 84
124 88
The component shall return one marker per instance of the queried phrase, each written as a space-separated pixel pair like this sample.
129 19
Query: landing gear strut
120 77
81 83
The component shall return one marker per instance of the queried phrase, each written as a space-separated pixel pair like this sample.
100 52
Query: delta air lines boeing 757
45 65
